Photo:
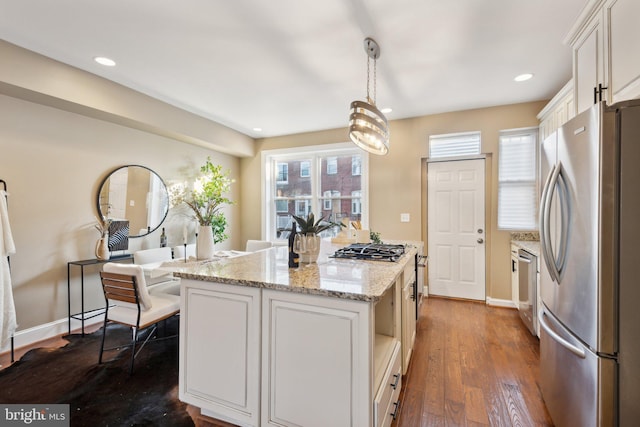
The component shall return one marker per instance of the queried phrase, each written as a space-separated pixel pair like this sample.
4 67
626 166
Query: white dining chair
257 245
128 302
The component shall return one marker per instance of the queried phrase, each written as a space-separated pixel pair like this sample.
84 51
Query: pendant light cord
375 77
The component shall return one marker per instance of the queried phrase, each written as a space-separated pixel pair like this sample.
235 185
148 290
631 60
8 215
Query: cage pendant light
368 127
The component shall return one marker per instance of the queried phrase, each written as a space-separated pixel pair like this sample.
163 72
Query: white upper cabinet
557 112
623 36
605 40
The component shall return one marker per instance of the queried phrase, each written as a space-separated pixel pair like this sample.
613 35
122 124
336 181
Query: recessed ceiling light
386 110
523 77
105 61
257 129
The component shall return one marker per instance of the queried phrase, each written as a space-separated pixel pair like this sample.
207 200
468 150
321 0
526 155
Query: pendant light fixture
368 127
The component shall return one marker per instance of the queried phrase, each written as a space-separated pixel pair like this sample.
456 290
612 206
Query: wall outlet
405 217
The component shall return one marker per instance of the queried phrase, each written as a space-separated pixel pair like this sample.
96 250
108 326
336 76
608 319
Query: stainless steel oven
527 290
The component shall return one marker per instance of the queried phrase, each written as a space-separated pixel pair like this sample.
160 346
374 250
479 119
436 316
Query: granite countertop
341 278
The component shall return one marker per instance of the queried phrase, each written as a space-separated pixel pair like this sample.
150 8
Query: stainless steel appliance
527 289
371 251
590 283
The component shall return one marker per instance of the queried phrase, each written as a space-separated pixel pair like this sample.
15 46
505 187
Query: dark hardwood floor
472 365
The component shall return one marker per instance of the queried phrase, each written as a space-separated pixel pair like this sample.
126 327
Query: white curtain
8 323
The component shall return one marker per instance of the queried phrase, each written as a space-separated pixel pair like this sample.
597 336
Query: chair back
258 245
178 251
148 256
128 270
119 287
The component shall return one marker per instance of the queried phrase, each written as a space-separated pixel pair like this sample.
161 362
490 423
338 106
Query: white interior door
456 228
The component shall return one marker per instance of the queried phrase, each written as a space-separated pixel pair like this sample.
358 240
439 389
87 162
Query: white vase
312 254
102 248
204 243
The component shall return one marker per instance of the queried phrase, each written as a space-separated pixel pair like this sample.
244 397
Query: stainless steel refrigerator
590 273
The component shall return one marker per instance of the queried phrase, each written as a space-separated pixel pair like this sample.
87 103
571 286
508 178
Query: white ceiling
291 66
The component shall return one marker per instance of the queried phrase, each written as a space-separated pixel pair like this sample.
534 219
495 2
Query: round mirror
135 194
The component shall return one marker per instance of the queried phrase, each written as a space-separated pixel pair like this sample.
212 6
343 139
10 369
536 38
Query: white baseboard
494 302
48 330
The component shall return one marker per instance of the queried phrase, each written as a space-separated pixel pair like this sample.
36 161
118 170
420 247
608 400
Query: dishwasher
527 292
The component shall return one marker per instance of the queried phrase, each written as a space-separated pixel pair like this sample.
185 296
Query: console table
84 315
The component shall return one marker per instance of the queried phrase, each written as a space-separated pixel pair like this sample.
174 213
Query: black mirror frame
100 214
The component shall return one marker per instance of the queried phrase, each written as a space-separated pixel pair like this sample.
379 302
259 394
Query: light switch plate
405 217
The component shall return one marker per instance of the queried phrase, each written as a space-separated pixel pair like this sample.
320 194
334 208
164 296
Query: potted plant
309 229
206 199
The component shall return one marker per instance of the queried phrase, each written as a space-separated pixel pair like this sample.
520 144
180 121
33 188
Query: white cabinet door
223 380
588 63
623 37
317 361
408 316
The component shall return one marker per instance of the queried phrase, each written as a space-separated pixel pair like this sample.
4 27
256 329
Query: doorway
456 228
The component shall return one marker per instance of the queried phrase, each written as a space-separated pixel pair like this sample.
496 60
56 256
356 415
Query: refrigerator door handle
548 250
544 221
572 348
565 214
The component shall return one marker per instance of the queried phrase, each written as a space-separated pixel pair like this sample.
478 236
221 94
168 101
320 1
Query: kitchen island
265 345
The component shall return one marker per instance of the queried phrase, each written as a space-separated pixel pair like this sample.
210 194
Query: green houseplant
206 199
308 226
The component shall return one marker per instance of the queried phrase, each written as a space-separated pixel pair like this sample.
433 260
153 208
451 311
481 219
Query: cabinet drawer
389 390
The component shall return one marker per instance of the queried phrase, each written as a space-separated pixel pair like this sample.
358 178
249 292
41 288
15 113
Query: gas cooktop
371 251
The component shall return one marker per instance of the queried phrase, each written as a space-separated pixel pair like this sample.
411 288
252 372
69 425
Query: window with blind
517 180
454 145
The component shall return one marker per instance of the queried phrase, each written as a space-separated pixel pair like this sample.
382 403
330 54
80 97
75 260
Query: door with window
456 228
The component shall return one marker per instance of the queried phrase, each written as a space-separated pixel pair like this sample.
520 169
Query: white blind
454 144
517 178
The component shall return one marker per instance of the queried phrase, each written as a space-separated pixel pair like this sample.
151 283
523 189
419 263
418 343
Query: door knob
480 240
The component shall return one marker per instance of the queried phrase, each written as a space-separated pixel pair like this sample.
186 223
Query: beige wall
53 162
62 130
397 182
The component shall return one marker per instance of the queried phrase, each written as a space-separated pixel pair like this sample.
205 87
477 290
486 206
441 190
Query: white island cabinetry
220 350
264 345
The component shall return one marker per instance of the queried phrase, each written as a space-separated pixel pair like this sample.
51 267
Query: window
327 202
356 204
283 172
454 145
517 178
318 179
303 207
282 206
356 165
305 169
332 165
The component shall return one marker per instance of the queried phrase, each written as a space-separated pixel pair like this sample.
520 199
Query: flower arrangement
206 198
102 225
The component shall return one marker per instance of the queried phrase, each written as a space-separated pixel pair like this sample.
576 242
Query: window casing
331 189
517 180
